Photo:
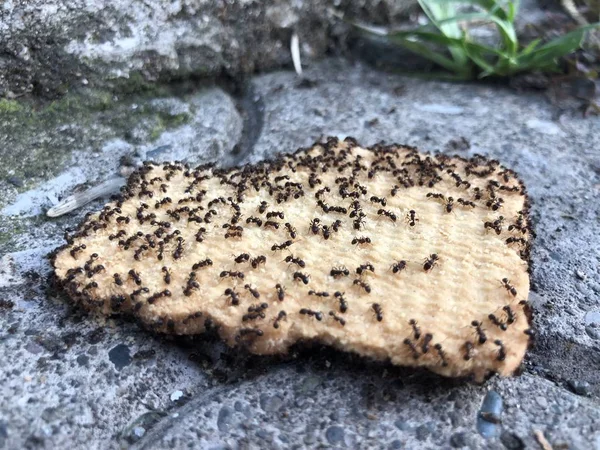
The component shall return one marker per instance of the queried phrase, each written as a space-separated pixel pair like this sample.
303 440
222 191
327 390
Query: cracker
386 252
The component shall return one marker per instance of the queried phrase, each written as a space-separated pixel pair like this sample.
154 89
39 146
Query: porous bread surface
146 254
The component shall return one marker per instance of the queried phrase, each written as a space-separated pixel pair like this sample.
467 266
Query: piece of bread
386 252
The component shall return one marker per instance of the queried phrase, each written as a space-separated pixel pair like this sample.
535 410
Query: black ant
229 273
253 291
497 322
235 299
280 292
441 354
302 277
320 192
509 287
255 220
339 272
494 205
275 214
342 300
118 279
399 266
204 263
413 348
411 218
516 240
326 232
449 204
430 262
364 267
426 341
136 277
391 215
290 259
336 225
435 195
76 249
191 285
291 230
318 294
281 316
309 312
263 207
466 203
154 297
283 246
255 262
243 257
139 291
362 284
416 329
511 317
314 225
468 350
501 351
380 200
378 311
272 224
167 276
247 332
361 240
482 338
337 318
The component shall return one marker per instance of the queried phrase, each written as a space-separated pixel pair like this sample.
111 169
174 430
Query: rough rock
50 400
49 47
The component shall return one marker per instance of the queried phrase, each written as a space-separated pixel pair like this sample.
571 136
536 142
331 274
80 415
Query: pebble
394 445
120 356
270 403
138 432
581 275
15 181
511 441
440 109
176 395
544 127
542 402
458 440
580 387
424 431
593 332
334 434
492 406
83 360
403 425
224 418
592 318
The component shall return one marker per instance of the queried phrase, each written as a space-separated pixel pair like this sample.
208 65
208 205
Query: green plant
446 40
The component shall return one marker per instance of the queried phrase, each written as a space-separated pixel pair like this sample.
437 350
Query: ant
361 240
337 318
291 230
497 322
501 351
466 203
336 225
482 338
326 232
413 348
411 218
362 284
364 267
255 262
441 354
235 299
204 263
280 292
416 329
253 291
517 240
449 204
426 341
510 288
136 277
229 273
318 294
272 224
283 246
242 258
275 214
391 215
290 259
154 297
339 272
167 276
468 350
342 300
494 205
247 332
435 195
381 200
430 262
510 314
263 207
302 277
255 220
309 312
118 279
378 311
281 316
398 266
314 225
76 249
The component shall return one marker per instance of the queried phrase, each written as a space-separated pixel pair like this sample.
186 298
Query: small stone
511 441
83 360
176 396
15 181
224 418
593 332
334 434
138 432
394 445
542 402
458 440
120 356
403 425
488 418
592 318
424 431
270 403
581 275
580 387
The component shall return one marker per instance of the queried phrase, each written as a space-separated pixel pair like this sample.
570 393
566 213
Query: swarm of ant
384 251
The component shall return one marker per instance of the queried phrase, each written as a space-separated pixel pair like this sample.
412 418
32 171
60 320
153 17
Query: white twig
79 199
295 49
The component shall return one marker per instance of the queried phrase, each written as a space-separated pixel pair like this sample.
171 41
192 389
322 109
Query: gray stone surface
70 380
50 46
